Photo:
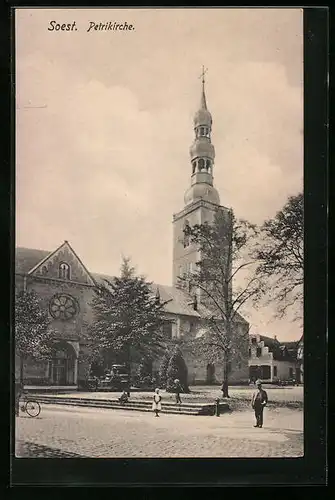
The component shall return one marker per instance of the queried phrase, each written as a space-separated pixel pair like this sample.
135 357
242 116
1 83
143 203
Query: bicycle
29 406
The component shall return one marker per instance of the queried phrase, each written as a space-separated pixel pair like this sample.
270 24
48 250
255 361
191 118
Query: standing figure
156 405
177 391
259 401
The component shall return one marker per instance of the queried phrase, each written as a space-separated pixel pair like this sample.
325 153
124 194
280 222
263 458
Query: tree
281 257
163 368
145 372
225 260
90 358
127 317
177 369
33 336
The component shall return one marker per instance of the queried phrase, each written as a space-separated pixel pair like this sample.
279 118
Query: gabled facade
273 361
65 288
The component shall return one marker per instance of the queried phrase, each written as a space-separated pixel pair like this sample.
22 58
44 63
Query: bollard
217 407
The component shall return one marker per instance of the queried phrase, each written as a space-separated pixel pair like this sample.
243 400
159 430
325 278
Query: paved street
62 431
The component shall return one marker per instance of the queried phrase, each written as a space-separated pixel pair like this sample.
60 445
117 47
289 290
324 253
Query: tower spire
202 154
203 104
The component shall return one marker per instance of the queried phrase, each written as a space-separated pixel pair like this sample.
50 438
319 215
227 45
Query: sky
104 122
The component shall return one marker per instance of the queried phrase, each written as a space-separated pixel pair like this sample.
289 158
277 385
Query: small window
64 271
253 340
44 270
275 371
265 372
259 352
249 352
167 330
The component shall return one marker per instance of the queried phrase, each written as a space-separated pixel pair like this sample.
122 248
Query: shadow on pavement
25 449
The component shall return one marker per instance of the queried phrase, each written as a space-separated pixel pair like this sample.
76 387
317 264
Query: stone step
194 409
116 401
130 402
119 407
109 403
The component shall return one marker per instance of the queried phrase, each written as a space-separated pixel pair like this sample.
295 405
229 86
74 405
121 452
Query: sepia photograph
159 233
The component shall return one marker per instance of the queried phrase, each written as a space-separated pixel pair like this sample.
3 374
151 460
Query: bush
177 369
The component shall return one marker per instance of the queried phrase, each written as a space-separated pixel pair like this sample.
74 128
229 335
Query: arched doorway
210 376
63 365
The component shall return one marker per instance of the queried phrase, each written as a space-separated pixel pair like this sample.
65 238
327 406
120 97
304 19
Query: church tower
201 199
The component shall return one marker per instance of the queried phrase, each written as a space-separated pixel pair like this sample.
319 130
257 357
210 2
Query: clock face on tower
63 307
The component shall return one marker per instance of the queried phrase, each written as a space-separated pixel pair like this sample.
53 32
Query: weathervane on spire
202 76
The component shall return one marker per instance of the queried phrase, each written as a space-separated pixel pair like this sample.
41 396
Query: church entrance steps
146 406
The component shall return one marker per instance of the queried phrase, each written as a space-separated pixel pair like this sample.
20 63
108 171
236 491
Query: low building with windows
273 361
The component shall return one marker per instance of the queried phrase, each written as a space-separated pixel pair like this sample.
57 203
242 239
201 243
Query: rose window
63 307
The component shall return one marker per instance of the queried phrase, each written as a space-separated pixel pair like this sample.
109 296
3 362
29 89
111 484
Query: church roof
27 258
178 300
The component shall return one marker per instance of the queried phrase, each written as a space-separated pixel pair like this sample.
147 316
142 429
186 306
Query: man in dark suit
177 391
258 403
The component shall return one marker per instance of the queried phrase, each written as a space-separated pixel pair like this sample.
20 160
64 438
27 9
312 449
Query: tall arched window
208 165
201 164
194 164
64 271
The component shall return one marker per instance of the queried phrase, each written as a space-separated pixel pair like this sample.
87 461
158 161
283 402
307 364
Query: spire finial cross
202 76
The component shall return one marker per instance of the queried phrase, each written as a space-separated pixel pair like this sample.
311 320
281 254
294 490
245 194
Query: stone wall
73 329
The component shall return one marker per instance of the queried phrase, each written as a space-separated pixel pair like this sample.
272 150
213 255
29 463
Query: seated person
123 398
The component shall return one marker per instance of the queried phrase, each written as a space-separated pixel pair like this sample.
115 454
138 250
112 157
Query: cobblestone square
61 431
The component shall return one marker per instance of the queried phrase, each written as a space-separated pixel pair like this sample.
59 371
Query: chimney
275 337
